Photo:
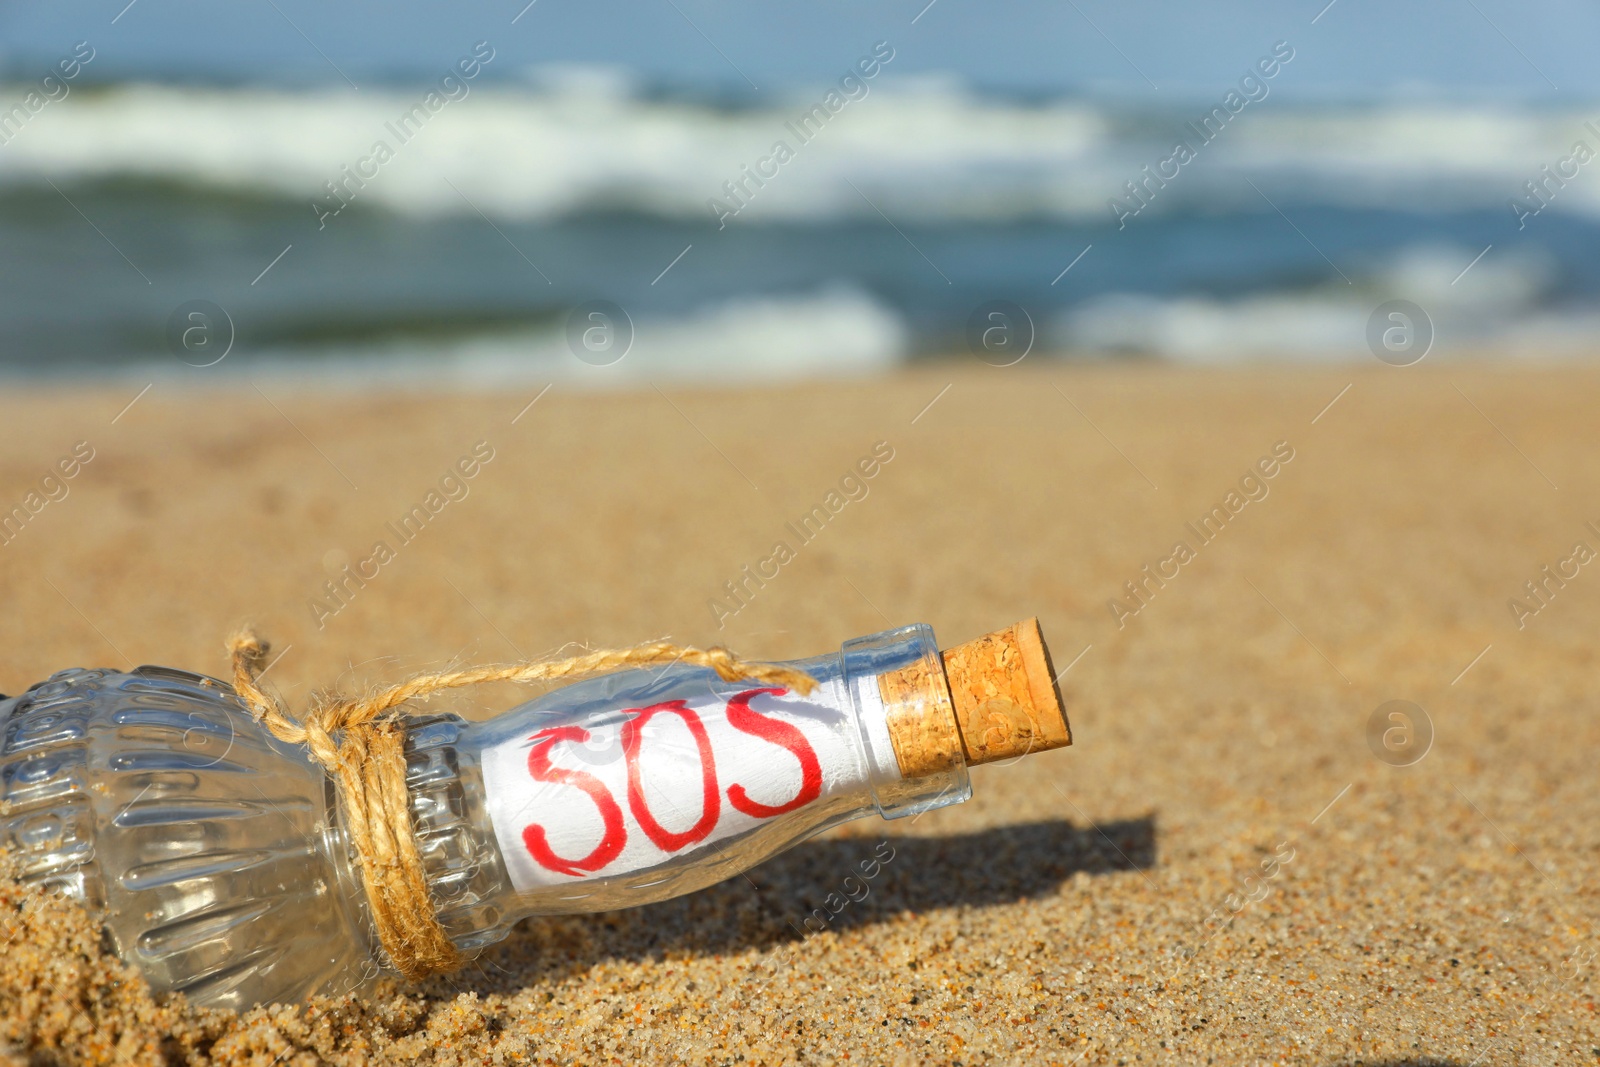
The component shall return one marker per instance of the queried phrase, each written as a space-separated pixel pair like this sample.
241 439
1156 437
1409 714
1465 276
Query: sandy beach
1227 867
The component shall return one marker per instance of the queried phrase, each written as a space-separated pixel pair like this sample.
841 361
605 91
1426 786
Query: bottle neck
640 786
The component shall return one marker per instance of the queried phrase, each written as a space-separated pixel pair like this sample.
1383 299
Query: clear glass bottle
214 854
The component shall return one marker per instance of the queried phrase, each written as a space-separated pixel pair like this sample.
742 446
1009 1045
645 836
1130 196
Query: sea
576 225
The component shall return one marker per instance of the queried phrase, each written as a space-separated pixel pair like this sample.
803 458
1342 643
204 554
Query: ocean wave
838 332
1496 305
919 151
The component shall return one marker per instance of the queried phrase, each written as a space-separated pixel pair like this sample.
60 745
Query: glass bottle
215 858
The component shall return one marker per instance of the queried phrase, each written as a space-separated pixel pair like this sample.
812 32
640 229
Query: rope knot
319 739
362 747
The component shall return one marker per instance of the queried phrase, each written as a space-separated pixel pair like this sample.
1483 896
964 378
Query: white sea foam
1304 329
928 150
1494 304
835 333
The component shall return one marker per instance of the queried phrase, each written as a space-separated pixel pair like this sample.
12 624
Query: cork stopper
921 719
997 700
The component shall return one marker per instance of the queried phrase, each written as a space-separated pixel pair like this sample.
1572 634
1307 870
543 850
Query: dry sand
1103 904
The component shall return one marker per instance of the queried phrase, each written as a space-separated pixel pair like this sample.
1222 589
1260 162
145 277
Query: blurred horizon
623 160
1031 49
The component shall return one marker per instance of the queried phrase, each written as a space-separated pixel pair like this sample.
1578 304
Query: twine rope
360 741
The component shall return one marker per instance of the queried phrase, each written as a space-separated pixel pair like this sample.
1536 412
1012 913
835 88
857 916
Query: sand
1220 870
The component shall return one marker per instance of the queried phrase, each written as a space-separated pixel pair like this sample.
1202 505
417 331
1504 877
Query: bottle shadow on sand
818 888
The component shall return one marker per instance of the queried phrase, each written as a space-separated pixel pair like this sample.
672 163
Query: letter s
785 735
78 50
484 51
84 451
533 835
484 451
1284 451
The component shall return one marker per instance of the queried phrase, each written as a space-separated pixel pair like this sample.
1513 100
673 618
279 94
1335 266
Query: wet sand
1222 869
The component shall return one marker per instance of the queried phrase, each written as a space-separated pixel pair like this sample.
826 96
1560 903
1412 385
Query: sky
1159 50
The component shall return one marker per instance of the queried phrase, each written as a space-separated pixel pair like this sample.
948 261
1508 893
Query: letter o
711 798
